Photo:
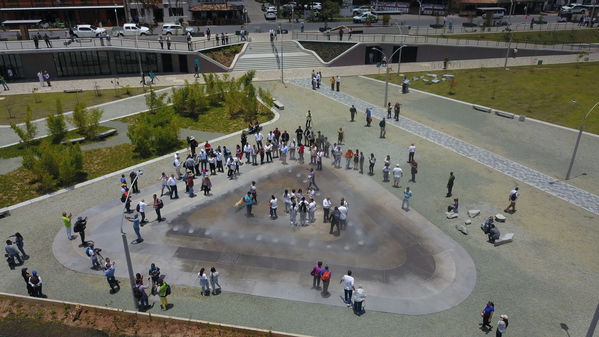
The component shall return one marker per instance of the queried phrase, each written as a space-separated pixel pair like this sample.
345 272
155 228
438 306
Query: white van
497 12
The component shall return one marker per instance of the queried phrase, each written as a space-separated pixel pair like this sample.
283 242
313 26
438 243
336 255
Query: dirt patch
327 50
224 55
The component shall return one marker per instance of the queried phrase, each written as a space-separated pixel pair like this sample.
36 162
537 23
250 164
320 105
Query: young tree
86 121
28 133
57 125
55 164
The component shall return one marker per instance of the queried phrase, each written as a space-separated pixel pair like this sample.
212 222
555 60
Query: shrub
28 133
57 125
86 121
53 164
190 100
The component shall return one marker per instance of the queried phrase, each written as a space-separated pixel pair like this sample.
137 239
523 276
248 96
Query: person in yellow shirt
66 219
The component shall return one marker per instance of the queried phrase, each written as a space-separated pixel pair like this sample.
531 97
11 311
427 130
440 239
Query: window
12 62
175 11
82 63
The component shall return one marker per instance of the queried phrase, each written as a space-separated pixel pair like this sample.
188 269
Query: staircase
264 56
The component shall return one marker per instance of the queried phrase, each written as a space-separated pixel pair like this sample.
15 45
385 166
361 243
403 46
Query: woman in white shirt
204 282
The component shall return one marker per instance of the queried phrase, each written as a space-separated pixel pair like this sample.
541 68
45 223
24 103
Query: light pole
126 247
281 33
419 11
580 130
509 45
387 72
116 17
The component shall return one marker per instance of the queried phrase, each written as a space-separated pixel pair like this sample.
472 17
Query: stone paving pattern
527 175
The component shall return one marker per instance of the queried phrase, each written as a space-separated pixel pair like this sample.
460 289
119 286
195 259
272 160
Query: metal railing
117 42
516 27
442 40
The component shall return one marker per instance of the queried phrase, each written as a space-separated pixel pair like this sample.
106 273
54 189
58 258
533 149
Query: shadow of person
565 327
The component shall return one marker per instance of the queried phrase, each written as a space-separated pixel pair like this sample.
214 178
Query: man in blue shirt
247 199
368 117
136 221
407 195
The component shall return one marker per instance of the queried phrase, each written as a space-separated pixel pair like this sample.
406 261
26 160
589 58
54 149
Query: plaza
421 275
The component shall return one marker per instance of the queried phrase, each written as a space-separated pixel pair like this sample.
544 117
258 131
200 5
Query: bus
497 12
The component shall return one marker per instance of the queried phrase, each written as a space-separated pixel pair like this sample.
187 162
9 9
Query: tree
329 10
28 133
155 132
190 100
54 164
86 121
57 125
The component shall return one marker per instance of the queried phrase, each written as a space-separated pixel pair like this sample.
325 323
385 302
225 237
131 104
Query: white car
270 15
173 29
362 9
87 31
314 5
131 29
365 18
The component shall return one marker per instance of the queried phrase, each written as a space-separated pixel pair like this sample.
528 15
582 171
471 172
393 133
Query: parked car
365 17
272 9
314 5
131 29
290 5
270 15
87 31
362 9
265 6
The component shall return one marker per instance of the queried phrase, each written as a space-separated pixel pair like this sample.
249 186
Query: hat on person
504 316
396 165
34 272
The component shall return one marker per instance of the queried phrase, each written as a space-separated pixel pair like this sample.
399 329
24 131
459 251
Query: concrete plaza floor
545 279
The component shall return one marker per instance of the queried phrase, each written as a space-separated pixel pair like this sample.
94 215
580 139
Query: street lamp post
387 72
419 11
580 130
126 248
281 33
509 45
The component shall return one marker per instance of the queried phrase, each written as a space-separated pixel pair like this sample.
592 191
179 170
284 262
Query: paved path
546 183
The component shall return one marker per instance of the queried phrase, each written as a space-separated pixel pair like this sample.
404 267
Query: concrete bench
505 114
278 105
480 108
435 81
503 239
72 91
106 134
73 140
451 215
4 213
448 76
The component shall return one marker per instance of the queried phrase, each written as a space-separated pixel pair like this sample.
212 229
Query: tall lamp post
126 247
419 11
580 130
281 33
509 45
387 72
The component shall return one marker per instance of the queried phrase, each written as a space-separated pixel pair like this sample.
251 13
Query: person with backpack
316 275
512 198
325 276
92 253
19 242
382 125
164 289
35 281
79 227
216 288
139 291
157 204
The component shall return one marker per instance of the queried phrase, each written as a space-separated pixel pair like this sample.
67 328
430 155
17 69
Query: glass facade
128 63
12 62
82 63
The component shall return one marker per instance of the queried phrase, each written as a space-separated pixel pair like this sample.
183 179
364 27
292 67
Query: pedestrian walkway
263 55
546 183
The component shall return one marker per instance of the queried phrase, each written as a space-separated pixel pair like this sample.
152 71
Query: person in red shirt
300 152
190 185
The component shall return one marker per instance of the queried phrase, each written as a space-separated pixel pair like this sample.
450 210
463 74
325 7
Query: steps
262 56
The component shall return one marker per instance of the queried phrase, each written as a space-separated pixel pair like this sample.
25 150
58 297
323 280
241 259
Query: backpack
168 289
513 196
381 123
137 207
326 275
89 251
34 280
137 292
124 197
160 204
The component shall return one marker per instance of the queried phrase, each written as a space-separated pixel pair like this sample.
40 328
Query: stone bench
278 105
451 215
483 109
72 91
505 114
435 81
106 134
4 213
503 239
73 140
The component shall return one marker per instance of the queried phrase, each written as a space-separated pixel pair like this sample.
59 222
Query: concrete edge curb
127 169
485 107
149 315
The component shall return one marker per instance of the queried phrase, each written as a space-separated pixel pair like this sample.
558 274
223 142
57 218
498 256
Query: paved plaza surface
543 280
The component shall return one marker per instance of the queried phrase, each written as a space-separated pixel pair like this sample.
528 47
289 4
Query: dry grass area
224 55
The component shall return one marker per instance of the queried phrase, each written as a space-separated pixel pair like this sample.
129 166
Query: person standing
161 41
411 152
172 184
513 196
19 242
134 187
407 195
413 170
163 291
396 111
216 288
325 276
311 210
312 179
247 199
335 219
109 271
47 40
12 251
79 227
66 220
293 214
208 33
487 315
333 83
340 136
204 282
338 82
142 295
371 163
164 183
397 173
47 78
389 110
352 113
206 184
501 326
450 184
343 211
36 41
141 208
359 297
348 287
25 274
40 77
382 125
168 42
272 206
157 204
316 275
326 207
308 119
136 222
368 117
190 184
35 281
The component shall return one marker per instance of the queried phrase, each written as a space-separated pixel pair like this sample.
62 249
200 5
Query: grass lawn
18 149
43 103
546 37
540 92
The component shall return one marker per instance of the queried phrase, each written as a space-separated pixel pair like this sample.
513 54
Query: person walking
216 288
325 276
513 197
487 315
40 77
450 184
413 170
352 113
157 204
501 326
203 278
136 222
382 125
316 275
35 281
348 287
312 179
19 242
411 152
163 291
3 82
161 41
272 206
407 196
66 219
368 117
36 40
47 40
